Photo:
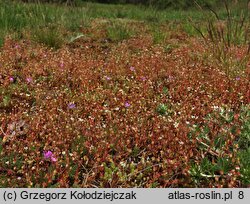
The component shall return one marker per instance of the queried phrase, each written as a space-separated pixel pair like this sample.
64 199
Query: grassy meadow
103 95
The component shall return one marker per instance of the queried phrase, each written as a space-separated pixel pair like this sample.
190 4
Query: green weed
223 34
215 162
158 35
119 31
51 37
244 157
244 146
162 109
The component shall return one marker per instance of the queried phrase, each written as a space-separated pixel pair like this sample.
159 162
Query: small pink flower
132 69
29 79
48 155
61 64
170 78
107 78
127 104
11 79
71 105
53 159
143 78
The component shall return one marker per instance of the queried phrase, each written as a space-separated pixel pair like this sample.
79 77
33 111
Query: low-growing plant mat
121 114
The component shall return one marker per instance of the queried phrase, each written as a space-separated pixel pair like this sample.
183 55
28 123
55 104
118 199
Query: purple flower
127 104
237 78
29 79
49 156
71 105
132 69
107 78
16 46
61 64
11 79
143 78
53 159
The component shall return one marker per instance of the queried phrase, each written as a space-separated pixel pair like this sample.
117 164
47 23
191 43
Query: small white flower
215 107
181 143
176 124
123 164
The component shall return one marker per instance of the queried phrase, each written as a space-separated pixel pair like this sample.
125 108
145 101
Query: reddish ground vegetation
114 114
